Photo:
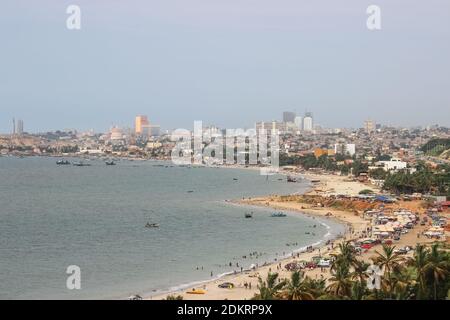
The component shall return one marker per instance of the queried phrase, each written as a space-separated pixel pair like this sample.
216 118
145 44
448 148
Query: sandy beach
357 225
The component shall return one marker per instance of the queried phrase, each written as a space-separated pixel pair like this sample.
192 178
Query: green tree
297 288
270 288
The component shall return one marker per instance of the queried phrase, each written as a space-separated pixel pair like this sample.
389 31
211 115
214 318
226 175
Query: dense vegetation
328 163
423 181
435 147
425 276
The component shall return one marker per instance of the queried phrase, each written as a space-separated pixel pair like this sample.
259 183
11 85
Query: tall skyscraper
369 126
270 127
308 123
345 148
288 117
19 127
298 123
140 124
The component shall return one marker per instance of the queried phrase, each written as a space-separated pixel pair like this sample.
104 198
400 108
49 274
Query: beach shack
383 231
435 232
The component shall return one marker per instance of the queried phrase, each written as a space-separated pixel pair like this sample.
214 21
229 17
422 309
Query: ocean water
94 217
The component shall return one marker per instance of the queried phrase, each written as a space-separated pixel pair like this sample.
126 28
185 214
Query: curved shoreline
295 254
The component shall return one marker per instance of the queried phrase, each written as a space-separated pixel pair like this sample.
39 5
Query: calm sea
94 217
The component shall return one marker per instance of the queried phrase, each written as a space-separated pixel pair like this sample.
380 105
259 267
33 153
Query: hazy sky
227 62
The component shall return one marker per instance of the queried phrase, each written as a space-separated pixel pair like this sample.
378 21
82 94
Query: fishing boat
110 163
278 214
62 162
249 215
81 164
152 225
291 179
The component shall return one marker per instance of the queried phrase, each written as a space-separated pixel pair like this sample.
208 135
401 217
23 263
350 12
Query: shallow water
93 217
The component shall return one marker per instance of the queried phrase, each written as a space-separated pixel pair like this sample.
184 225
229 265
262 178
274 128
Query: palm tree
404 283
436 268
340 282
269 289
297 288
358 290
388 260
360 271
419 261
315 286
345 256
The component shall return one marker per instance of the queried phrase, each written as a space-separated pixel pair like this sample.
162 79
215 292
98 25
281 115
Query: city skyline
17 125
230 63
226 150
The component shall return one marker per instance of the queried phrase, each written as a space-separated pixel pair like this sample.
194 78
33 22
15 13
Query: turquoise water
93 217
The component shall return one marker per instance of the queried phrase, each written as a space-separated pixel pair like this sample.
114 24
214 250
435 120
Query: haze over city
226 151
228 63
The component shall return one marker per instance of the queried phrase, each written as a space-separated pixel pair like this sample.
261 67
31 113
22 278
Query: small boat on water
81 164
278 214
152 225
291 179
249 215
110 163
62 162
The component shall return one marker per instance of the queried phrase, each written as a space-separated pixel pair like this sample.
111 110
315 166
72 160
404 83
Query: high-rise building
345 148
116 133
298 123
155 130
288 116
140 123
369 126
271 127
19 127
308 123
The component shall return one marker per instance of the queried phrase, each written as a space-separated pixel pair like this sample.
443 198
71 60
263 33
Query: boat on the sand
278 214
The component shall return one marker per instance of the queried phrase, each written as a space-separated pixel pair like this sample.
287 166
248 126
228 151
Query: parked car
324 263
226 285
400 251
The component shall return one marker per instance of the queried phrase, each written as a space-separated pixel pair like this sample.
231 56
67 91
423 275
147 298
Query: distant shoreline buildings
291 123
17 127
143 128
